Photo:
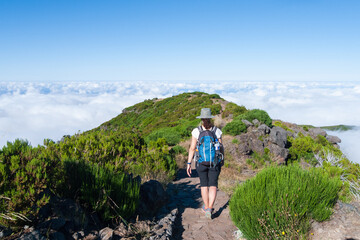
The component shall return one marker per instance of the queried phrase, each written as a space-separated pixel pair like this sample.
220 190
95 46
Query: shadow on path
185 193
191 223
218 212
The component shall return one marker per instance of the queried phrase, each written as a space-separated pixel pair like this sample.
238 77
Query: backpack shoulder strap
200 131
213 130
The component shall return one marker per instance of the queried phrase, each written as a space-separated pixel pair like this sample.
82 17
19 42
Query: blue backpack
208 147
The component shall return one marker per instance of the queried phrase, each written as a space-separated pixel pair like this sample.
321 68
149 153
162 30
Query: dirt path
191 222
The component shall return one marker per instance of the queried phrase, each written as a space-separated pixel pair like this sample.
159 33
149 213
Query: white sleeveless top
195 133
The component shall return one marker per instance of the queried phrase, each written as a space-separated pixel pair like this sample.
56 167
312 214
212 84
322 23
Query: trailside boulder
333 139
278 152
152 198
314 132
257 145
278 136
264 129
247 123
256 122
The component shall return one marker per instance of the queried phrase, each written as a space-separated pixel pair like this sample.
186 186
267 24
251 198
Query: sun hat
205 113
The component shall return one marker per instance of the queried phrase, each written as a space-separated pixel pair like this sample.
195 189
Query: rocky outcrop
278 136
247 123
314 132
264 128
263 139
333 139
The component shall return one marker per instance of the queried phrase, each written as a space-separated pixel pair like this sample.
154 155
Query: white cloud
35 111
349 143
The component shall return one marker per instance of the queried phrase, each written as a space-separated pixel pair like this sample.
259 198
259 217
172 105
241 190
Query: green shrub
24 175
235 141
302 147
157 163
215 109
279 202
320 152
112 195
125 150
234 109
236 127
258 114
171 136
178 150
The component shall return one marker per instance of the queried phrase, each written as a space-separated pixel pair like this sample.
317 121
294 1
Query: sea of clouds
35 111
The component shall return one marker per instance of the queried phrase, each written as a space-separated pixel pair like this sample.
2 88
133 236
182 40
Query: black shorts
208 175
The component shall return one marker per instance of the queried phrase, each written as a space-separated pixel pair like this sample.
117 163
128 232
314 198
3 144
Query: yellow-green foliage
122 150
25 172
24 175
321 152
282 125
279 202
235 110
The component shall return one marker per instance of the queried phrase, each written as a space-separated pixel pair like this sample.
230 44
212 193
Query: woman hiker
208 170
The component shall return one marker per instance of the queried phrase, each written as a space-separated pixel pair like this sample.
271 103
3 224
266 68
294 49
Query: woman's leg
204 183
212 196
213 183
205 196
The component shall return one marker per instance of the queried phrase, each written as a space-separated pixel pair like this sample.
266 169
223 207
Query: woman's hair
207 123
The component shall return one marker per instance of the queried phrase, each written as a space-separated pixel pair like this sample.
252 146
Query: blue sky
168 40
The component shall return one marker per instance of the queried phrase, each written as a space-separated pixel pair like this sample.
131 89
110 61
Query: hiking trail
191 222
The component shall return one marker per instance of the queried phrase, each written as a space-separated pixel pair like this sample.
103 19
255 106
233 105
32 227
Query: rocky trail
191 222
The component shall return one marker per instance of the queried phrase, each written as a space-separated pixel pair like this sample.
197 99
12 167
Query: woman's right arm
191 155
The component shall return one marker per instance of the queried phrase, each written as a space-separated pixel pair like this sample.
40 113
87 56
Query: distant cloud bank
36 111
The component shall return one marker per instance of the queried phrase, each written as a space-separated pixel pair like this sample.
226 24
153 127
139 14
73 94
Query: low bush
302 148
234 109
258 114
96 177
236 127
124 150
171 136
157 163
279 202
24 175
112 195
215 109
320 152
178 150
282 125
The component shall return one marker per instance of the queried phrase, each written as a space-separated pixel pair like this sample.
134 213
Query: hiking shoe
203 208
208 213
